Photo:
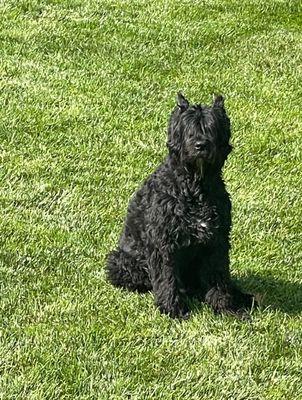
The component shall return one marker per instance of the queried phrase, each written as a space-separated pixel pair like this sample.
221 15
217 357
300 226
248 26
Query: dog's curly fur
175 240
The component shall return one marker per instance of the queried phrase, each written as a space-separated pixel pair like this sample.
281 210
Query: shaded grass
86 89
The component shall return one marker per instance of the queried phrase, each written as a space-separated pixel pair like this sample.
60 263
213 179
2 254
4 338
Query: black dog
175 240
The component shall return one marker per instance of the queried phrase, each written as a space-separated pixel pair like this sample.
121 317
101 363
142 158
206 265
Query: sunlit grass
86 90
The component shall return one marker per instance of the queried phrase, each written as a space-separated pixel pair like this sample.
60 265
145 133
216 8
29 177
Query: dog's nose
200 146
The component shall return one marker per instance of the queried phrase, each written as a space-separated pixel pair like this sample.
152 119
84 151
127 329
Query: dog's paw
177 310
183 314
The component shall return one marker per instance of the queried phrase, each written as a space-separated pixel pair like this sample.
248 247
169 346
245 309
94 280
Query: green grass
86 90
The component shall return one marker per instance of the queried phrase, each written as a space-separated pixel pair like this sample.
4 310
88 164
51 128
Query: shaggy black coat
175 240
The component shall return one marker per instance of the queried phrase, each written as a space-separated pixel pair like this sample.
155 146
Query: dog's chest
203 218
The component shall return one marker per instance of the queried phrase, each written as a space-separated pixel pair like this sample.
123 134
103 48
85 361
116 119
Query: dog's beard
200 165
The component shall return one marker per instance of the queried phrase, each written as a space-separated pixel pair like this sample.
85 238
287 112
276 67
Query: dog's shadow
275 293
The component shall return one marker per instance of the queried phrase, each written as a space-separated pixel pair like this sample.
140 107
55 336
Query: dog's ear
181 101
218 101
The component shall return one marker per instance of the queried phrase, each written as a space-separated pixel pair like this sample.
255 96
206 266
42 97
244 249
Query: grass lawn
86 88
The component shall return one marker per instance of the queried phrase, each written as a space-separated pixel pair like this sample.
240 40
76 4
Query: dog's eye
191 134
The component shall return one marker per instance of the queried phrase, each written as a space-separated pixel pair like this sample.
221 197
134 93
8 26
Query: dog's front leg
164 284
223 295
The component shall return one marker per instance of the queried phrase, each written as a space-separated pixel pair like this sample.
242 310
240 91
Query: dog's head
199 135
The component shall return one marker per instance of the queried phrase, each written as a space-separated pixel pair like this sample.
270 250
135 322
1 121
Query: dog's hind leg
123 270
227 298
